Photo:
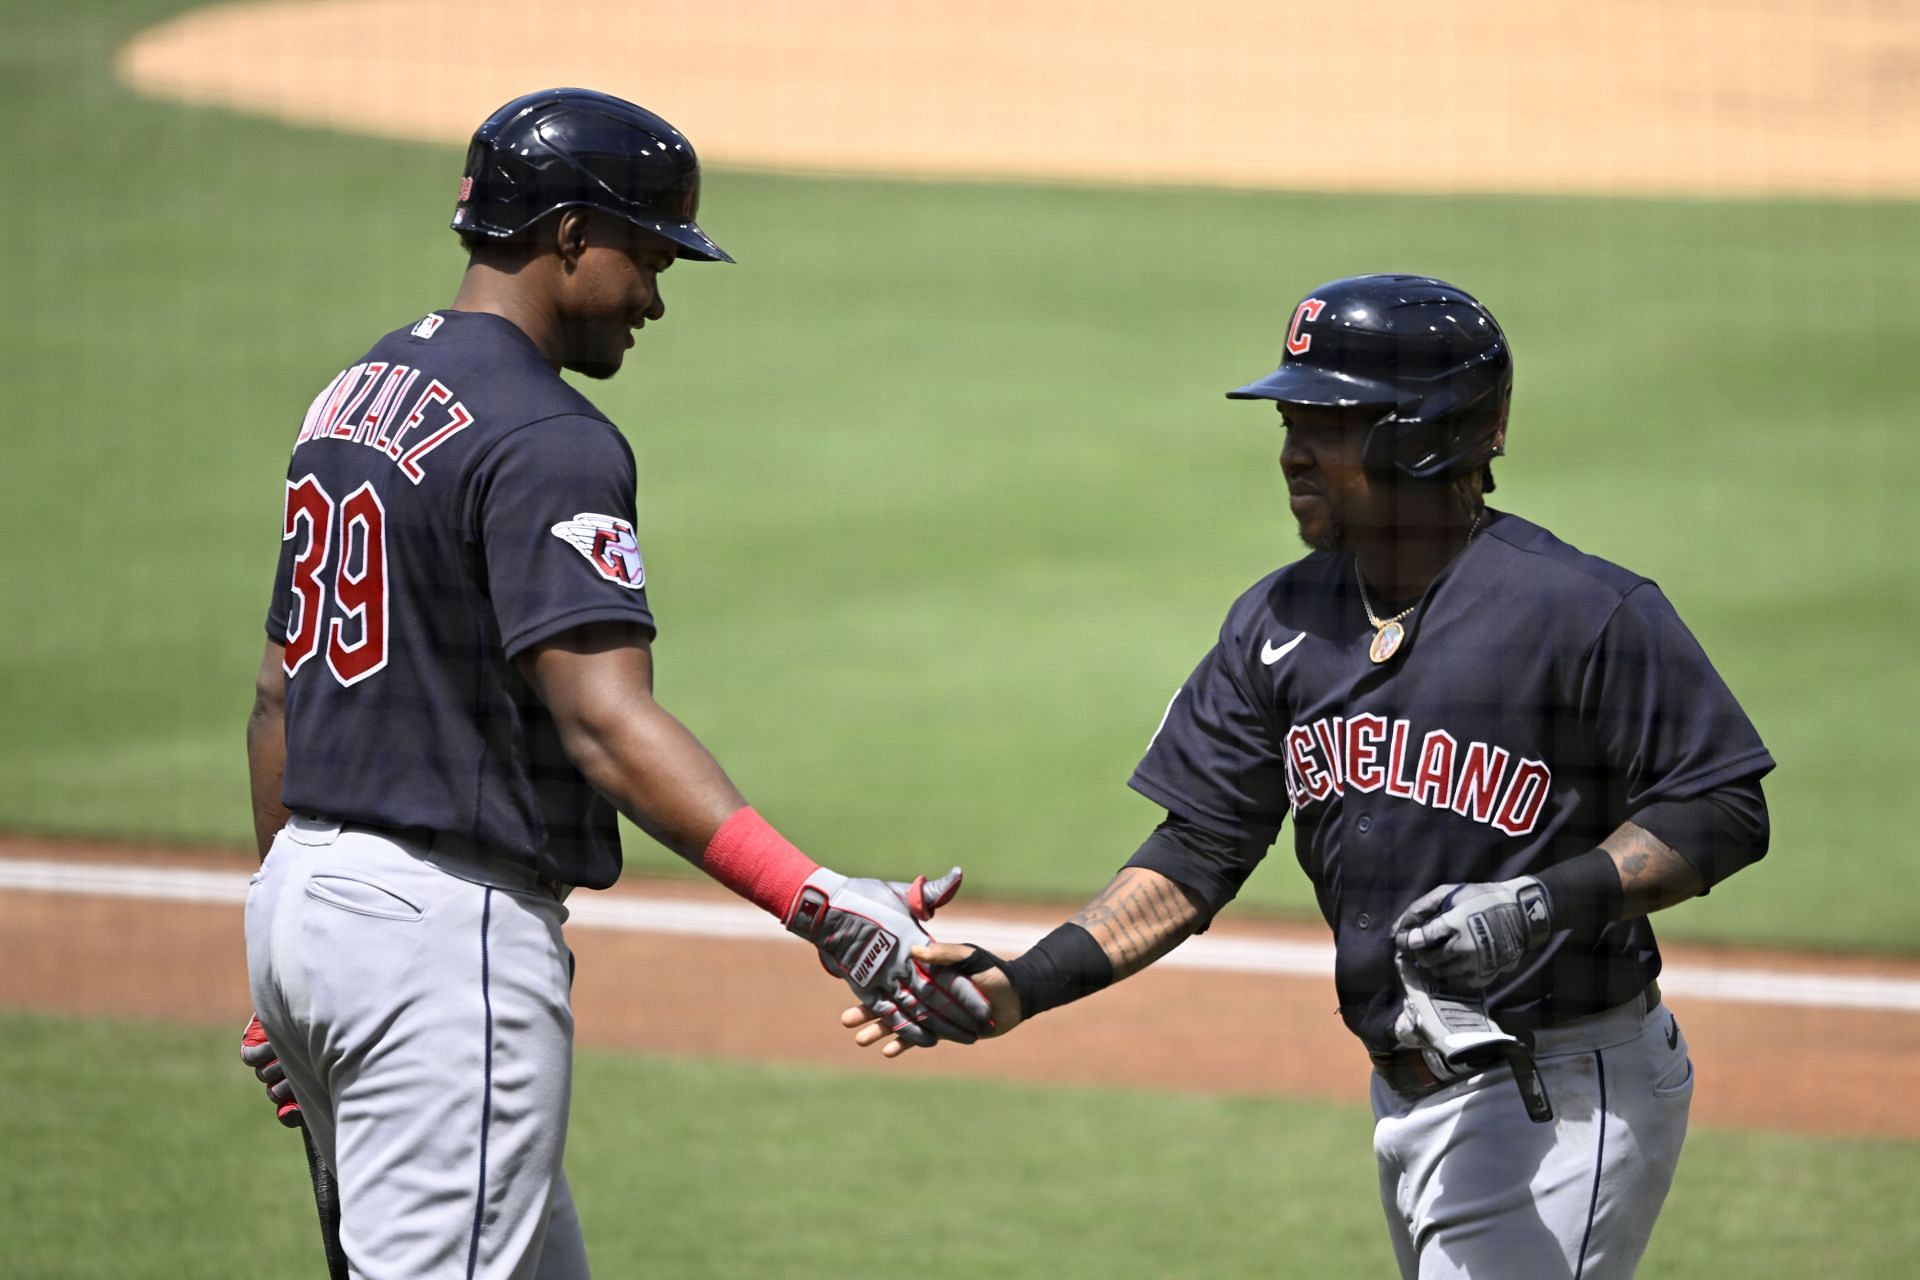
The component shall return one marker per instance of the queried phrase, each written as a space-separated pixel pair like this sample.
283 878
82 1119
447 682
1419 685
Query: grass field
940 498
940 501
716 1170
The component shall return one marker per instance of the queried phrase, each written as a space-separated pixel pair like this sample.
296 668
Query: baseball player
1499 754
455 698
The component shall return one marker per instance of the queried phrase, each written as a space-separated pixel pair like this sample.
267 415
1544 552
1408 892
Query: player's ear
570 234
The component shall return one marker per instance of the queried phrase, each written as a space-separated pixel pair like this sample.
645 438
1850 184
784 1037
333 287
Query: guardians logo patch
609 545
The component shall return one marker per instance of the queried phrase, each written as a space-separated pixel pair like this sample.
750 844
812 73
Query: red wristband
749 857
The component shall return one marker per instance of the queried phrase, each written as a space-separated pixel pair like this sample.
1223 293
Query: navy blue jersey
451 502
1542 697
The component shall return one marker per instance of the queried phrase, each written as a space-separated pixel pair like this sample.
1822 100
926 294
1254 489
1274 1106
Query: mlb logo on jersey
427 327
609 546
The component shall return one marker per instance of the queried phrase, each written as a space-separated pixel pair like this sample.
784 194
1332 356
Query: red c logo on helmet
1297 342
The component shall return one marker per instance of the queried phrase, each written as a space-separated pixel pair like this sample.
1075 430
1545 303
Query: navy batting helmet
1423 353
562 148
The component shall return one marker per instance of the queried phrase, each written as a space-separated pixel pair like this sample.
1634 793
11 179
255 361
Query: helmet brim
1306 385
694 243
685 234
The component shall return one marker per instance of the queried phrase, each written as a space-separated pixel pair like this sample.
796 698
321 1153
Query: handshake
912 990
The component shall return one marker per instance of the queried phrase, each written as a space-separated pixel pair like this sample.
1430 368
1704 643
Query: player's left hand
258 1054
1459 1038
1470 934
865 928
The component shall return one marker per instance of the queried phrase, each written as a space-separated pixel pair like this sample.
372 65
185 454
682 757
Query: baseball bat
326 1198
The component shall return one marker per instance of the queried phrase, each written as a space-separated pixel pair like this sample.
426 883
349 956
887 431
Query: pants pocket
1677 1081
362 896
1673 1075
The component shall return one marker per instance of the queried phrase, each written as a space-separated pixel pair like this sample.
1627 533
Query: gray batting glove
1470 934
1459 1038
865 929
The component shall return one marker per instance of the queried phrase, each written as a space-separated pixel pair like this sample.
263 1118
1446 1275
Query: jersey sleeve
1215 759
1665 725
552 509
1210 865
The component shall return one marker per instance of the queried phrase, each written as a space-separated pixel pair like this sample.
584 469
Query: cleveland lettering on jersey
1485 789
405 437
1480 781
1457 761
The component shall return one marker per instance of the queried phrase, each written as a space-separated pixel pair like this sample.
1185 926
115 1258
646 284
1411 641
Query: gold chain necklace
1387 632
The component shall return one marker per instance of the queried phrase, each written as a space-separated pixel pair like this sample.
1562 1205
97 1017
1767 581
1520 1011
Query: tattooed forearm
1138 918
1652 875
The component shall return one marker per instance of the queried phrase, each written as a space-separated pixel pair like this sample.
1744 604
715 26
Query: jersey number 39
356 639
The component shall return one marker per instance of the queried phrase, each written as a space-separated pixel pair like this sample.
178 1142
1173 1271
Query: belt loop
311 829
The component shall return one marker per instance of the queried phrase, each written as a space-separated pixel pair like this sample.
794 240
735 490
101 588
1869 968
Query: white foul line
630 913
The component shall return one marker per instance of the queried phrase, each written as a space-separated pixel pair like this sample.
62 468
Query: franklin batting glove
865 929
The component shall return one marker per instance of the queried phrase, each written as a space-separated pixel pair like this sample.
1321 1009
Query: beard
1333 538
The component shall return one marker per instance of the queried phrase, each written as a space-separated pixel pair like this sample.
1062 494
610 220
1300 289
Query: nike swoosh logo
1673 1033
1271 655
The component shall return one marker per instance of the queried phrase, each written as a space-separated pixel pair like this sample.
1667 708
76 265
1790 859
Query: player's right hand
1471 934
960 959
258 1054
864 930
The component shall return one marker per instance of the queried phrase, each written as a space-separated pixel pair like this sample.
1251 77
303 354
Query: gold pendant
1386 641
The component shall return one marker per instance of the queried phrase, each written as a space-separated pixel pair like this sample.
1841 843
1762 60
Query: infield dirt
1819 1071
1685 97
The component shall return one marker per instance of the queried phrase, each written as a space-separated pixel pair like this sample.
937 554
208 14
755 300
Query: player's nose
1295 457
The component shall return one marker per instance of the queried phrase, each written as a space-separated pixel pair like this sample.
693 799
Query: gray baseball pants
420 1004
1473 1188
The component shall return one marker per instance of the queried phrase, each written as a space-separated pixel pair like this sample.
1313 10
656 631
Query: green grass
940 498
154 1156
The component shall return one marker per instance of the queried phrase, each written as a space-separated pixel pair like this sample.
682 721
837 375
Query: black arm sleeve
1718 831
1209 865
1062 967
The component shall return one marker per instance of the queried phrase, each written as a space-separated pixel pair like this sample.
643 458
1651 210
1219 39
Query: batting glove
258 1054
865 929
1459 1038
1470 934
